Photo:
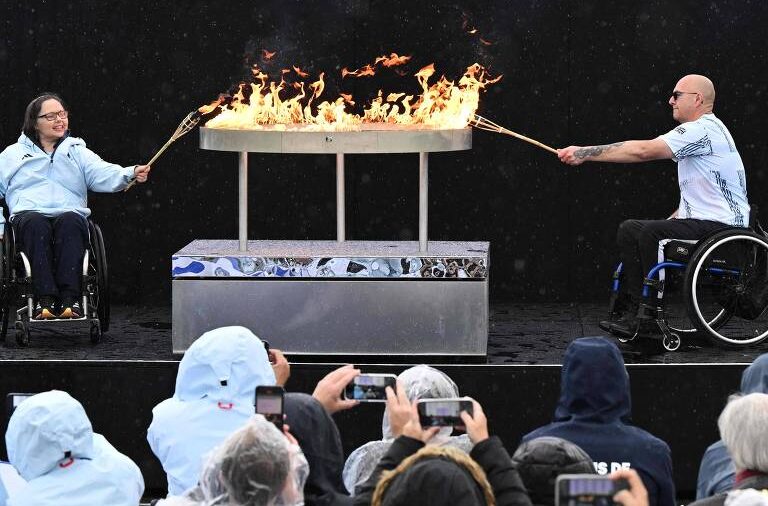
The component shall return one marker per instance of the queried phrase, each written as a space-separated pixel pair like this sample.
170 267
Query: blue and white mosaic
269 267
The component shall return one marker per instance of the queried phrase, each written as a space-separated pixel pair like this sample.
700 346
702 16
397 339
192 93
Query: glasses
677 94
51 116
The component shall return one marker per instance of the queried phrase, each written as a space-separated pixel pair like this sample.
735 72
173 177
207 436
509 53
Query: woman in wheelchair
45 177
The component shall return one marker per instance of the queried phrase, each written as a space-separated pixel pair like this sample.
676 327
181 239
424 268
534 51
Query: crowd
216 451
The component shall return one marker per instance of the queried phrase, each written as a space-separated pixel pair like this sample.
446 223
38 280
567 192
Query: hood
754 379
43 429
320 441
594 384
541 460
423 382
224 364
434 481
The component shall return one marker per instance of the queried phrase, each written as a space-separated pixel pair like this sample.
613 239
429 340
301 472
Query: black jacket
319 439
429 484
593 412
756 482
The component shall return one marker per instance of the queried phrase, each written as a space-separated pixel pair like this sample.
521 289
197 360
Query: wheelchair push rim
727 327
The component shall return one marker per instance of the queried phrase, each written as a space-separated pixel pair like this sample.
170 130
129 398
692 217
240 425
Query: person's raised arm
618 152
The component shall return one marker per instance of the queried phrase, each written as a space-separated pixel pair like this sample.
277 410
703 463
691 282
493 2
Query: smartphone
269 402
443 412
13 400
587 489
369 387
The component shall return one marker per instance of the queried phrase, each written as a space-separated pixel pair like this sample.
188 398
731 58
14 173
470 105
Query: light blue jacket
215 390
41 431
33 180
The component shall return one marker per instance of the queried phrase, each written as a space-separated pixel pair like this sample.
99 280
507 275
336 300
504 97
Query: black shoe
606 324
71 308
626 326
44 308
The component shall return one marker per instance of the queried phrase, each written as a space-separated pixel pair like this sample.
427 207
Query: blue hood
224 364
754 379
594 385
43 428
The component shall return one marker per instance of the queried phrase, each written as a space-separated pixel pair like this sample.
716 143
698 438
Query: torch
186 125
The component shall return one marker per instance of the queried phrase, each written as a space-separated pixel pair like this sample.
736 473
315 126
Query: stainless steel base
339 316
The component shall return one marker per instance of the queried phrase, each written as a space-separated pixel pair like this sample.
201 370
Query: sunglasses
677 94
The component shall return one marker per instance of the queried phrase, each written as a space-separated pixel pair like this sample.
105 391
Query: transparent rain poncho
255 466
419 382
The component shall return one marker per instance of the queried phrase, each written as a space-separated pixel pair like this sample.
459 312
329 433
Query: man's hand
404 416
476 424
637 495
141 173
280 366
328 390
568 155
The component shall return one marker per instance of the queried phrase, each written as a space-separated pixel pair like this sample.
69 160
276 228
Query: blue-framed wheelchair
715 288
16 293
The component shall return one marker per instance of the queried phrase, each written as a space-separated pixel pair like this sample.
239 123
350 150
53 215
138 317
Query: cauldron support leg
423 184
243 200
340 206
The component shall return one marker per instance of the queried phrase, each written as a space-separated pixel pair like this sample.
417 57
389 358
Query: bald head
700 84
694 96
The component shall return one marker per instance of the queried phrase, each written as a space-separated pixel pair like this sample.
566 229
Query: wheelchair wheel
6 263
100 290
726 288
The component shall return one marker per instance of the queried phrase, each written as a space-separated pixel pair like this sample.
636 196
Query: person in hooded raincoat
594 413
320 441
540 461
256 465
419 382
411 472
716 473
215 389
52 445
45 178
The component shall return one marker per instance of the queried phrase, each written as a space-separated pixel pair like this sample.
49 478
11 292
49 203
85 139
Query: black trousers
638 242
55 249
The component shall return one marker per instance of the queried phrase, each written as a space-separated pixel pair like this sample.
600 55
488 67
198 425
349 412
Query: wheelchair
16 293
715 288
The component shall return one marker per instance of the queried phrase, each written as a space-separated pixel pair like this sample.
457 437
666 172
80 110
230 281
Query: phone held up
443 412
269 402
369 387
587 490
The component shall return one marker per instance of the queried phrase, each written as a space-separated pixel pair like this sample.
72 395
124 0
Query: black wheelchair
16 294
716 288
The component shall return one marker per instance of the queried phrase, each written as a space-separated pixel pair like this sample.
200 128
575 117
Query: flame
263 103
267 55
392 60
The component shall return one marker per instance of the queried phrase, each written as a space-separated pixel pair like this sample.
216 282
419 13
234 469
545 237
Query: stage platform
121 379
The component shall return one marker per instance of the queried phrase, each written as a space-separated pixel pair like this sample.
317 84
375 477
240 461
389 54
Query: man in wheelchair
712 180
45 178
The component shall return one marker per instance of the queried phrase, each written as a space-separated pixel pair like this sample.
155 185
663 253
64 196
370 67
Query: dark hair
33 110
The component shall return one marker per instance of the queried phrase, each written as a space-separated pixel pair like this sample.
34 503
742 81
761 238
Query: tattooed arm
620 152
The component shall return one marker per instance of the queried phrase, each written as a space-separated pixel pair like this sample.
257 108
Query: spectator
410 473
540 461
215 388
743 428
419 382
593 412
52 445
319 439
255 466
716 473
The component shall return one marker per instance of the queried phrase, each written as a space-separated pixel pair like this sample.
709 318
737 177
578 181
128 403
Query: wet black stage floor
518 334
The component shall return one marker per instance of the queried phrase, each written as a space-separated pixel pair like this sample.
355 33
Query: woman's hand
141 173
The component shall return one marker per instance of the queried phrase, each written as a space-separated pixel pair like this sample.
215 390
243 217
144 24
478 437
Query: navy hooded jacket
717 473
594 411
